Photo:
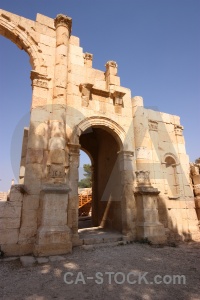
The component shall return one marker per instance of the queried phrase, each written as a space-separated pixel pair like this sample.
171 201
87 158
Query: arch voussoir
22 37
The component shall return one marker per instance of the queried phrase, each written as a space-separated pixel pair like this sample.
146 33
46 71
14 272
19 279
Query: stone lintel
100 92
144 190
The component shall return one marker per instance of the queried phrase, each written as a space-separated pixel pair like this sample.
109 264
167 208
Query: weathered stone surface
42 260
56 258
27 261
9 236
132 148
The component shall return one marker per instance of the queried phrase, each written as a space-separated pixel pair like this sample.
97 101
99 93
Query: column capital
62 20
39 80
111 64
128 153
88 56
74 149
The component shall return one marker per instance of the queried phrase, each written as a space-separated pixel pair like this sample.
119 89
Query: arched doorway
103 147
113 175
85 190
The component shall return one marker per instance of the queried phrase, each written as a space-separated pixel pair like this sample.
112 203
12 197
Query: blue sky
156 44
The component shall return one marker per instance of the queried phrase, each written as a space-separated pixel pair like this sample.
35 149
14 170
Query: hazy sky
156 44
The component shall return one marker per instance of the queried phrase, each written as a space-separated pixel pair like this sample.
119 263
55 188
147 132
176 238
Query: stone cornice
39 80
102 92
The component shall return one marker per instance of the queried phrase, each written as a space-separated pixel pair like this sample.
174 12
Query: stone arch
170 155
24 38
97 121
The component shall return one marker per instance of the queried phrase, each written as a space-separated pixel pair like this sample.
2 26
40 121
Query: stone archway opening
103 146
85 190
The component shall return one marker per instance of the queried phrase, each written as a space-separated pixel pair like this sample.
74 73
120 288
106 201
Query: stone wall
195 180
75 106
160 149
3 195
10 221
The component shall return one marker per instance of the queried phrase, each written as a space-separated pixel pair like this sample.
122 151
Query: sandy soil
46 281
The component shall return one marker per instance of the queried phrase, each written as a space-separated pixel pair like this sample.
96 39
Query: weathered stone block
49 22
74 40
30 202
29 218
34 155
27 235
9 236
8 223
9 211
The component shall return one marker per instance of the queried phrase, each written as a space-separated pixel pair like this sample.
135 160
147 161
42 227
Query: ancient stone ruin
195 181
141 172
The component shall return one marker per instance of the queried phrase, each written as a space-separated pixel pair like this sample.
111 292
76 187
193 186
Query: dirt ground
46 281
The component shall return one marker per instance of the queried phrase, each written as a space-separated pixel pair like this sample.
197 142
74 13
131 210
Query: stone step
91 240
101 245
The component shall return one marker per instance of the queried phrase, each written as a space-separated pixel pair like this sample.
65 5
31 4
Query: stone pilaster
35 170
53 235
57 143
143 142
128 200
148 225
74 153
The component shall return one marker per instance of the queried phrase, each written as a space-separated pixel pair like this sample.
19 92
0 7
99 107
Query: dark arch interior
106 203
170 161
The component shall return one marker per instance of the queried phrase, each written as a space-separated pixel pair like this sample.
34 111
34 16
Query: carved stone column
148 225
88 60
128 199
57 144
74 153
